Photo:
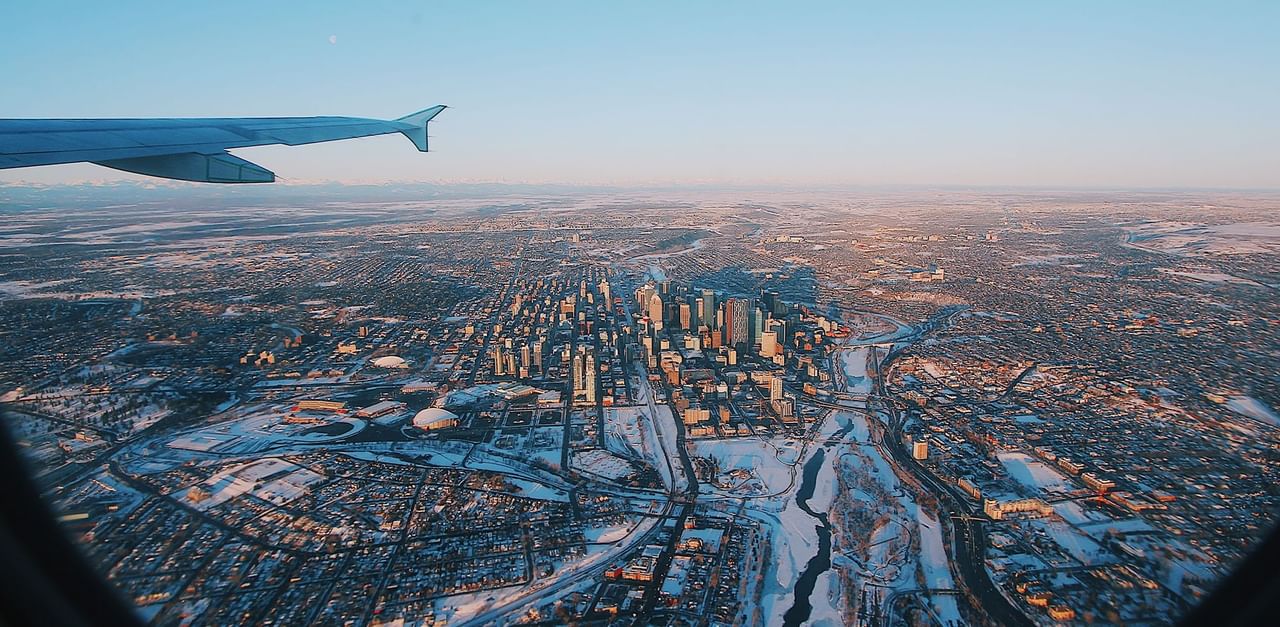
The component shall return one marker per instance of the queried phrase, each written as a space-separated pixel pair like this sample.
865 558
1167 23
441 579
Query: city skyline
710 314
615 408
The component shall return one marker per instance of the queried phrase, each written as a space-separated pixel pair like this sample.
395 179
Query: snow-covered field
1033 473
936 568
608 534
535 490
601 463
658 430
1076 514
889 561
1080 546
825 599
1186 238
1253 408
1209 277
749 466
854 361
794 532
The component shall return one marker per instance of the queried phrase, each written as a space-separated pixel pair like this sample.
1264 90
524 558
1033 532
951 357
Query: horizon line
645 186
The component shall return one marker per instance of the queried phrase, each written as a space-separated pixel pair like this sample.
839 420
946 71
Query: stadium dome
390 361
435 418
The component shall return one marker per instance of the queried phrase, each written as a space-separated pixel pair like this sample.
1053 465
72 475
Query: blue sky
1107 94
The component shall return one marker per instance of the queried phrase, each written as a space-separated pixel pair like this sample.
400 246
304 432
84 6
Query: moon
333 39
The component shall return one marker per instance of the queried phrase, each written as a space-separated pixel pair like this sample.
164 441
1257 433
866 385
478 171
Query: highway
969 537
562 582
685 499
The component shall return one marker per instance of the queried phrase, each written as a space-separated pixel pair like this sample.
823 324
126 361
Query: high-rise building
584 376
920 450
775 388
709 309
685 317
757 325
769 299
768 344
575 373
726 321
589 380
654 309
736 321
642 297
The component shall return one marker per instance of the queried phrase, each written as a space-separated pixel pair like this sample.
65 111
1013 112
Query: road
488 333
687 498
969 537
563 582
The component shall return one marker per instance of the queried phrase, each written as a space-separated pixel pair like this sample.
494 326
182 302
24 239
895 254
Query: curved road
969 537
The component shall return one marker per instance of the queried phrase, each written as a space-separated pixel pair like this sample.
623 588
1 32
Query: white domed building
433 418
390 362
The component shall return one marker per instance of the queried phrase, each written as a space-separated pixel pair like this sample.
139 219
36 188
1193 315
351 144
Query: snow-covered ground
1253 408
607 534
825 601
884 557
1080 546
535 490
937 570
795 541
1033 473
889 560
622 431
1191 239
260 428
1209 277
601 463
695 245
489 605
795 536
766 466
1076 513
793 531
854 361
855 357
658 428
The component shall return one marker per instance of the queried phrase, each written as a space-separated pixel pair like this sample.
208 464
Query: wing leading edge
188 149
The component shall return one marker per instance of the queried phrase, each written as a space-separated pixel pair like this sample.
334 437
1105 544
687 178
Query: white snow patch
1253 408
1033 473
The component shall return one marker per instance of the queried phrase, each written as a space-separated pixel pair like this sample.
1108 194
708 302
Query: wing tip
418 121
423 116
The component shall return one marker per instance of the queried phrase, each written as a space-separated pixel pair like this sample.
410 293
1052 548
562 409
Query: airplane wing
187 149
